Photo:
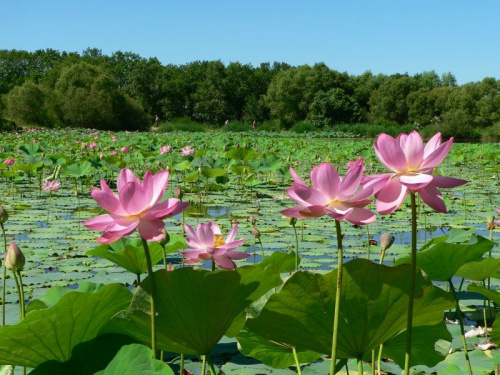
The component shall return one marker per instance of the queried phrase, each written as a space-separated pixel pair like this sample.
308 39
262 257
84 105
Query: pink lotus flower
137 205
497 222
92 145
413 165
164 150
9 162
114 152
207 242
125 149
113 139
331 195
51 185
187 151
356 163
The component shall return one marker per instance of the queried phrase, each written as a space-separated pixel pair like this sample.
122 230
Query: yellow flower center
219 240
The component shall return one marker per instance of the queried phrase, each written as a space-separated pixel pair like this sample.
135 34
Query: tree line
124 91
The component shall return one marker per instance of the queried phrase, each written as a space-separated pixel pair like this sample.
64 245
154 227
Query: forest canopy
124 91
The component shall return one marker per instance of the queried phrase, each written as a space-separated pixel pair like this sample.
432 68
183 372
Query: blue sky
384 36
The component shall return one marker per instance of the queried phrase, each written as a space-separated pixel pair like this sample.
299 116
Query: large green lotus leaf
374 307
55 293
177 242
128 255
481 270
442 260
492 295
78 169
87 358
429 345
272 353
284 262
241 154
52 333
455 364
136 359
194 307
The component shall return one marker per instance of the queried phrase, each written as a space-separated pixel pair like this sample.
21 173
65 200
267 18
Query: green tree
89 97
334 107
29 104
389 102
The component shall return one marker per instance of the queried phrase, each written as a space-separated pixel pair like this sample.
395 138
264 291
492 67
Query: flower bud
166 238
490 222
252 220
291 220
386 241
4 216
14 259
255 232
170 267
178 193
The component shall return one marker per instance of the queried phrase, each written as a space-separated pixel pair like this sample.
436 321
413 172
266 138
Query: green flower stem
164 257
297 363
48 207
490 310
409 323
373 362
213 264
204 365
21 289
181 370
360 366
296 248
211 365
152 300
462 329
4 276
379 360
261 248
337 297
368 245
21 312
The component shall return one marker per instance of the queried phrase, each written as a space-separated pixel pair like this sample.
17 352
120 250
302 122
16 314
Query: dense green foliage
53 88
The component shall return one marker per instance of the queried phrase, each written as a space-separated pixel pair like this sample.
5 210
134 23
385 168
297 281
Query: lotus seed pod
178 193
291 220
252 220
386 241
4 216
14 259
490 222
255 232
166 238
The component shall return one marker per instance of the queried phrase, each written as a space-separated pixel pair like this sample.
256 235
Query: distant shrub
491 134
192 127
269 126
303 127
236 126
460 133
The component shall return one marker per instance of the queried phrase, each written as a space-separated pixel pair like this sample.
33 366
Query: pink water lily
51 185
164 150
356 163
187 151
206 242
9 162
137 205
413 166
331 195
